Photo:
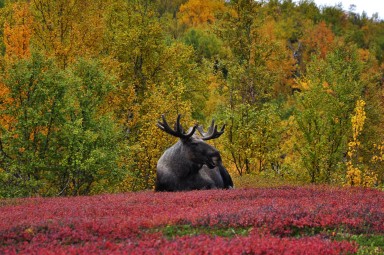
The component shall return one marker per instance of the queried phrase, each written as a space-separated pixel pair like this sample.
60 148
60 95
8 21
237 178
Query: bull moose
191 163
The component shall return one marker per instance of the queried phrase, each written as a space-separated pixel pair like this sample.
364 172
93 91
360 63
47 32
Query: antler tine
165 127
201 130
178 130
191 132
212 131
178 126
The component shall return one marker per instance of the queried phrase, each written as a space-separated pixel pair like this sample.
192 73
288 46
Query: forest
83 83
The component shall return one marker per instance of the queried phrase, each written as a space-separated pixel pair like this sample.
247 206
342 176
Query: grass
369 244
172 231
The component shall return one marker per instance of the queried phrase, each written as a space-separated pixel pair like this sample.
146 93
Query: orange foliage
18 32
197 12
17 36
280 58
319 39
5 119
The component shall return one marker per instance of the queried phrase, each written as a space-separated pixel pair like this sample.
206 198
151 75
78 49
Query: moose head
191 163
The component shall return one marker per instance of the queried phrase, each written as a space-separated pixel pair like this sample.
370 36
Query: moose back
191 163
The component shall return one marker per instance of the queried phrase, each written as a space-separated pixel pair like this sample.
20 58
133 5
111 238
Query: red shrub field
285 220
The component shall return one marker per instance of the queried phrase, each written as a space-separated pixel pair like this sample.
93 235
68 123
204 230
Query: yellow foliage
358 121
364 54
354 175
376 161
380 153
67 29
151 141
305 85
216 97
197 12
357 174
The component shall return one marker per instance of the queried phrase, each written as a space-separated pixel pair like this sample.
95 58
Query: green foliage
252 138
57 143
36 95
91 139
369 244
205 45
323 113
80 117
334 15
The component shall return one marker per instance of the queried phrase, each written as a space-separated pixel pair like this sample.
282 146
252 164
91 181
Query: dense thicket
84 82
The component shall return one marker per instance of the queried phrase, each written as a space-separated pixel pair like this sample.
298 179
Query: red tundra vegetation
289 220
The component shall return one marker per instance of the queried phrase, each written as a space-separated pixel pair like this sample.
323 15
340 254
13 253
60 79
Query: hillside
83 83
305 220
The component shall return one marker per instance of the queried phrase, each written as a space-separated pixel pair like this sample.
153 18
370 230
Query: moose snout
211 164
213 160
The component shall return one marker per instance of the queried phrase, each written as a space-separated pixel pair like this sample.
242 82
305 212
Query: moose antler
212 131
178 130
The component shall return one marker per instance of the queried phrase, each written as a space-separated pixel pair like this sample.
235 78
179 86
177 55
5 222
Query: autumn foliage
307 220
18 32
84 82
200 12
